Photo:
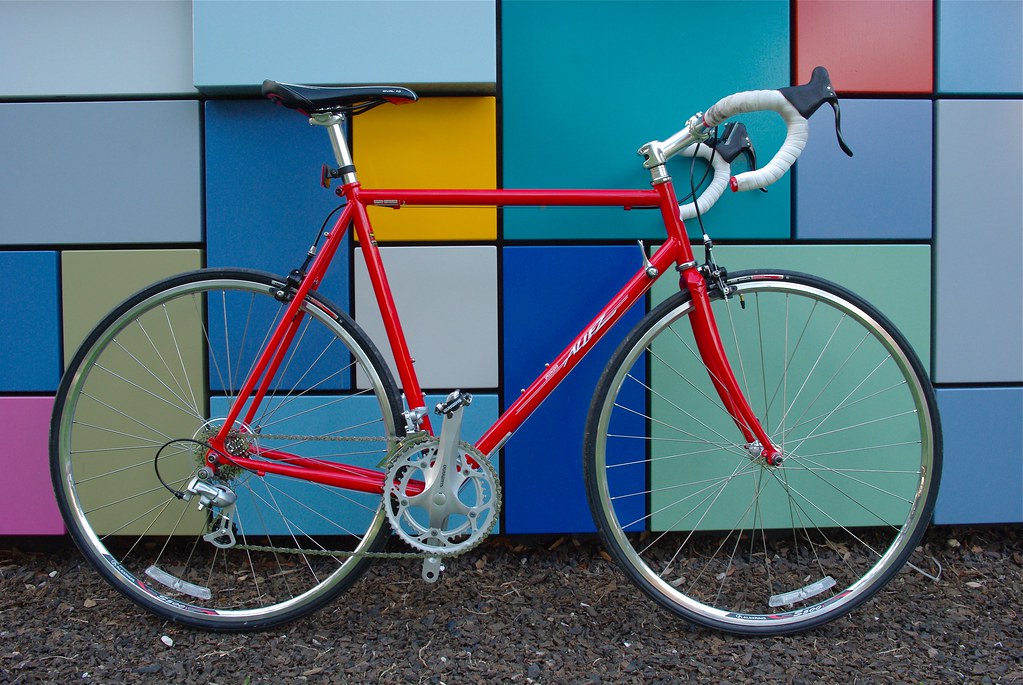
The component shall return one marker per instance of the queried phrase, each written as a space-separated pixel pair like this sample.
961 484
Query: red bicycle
762 451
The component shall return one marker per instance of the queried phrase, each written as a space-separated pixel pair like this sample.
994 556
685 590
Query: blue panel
100 172
982 478
979 46
551 294
30 335
884 191
357 41
578 102
264 204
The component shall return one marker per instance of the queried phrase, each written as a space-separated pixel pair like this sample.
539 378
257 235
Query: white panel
447 301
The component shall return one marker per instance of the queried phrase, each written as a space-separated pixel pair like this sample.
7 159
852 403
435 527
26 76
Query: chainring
435 512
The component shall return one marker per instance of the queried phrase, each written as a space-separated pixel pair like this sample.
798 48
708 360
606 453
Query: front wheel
131 424
700 521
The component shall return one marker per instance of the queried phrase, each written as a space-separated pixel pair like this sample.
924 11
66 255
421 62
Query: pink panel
27 505
867 45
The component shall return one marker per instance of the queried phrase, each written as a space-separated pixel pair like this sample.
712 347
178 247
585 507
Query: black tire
143 391
704 525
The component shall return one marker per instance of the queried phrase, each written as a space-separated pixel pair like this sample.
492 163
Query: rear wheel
700 521
133 414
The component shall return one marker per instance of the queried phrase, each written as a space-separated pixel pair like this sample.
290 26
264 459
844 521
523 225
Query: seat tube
385 301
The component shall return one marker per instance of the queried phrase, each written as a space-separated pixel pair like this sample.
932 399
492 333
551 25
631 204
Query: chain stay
400 442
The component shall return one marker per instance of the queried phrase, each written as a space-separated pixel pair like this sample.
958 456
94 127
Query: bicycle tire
700 522
128 427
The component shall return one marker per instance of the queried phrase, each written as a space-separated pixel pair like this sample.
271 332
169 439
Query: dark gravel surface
520 611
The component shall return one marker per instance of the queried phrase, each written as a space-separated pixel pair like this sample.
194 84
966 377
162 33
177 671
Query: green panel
845 373
93 282
894 278
586 84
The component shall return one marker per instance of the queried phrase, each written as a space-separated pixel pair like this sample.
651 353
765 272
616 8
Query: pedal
432 569
454 401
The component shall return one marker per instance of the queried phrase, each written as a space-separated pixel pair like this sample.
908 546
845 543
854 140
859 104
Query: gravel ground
520 611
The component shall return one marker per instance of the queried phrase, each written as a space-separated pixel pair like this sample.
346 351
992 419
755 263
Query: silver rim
723 538
157 378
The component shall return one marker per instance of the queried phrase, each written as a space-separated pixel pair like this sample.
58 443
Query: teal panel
894 278
978 47
586 84
450 42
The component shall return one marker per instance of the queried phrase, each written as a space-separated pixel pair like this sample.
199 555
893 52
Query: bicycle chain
400 442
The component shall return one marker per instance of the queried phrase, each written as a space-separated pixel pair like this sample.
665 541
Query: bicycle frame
676 250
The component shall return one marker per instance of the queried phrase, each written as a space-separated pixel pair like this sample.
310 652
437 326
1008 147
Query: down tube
555 372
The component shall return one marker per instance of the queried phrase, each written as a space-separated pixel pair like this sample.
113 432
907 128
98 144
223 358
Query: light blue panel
449 42
331 511
476 419
336 511
586 84
30 334
978 242
264 204
95 48
447 300
982 476
979 46
100 172
550 295
884 191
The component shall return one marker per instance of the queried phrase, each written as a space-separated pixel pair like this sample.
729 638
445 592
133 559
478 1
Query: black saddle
311 100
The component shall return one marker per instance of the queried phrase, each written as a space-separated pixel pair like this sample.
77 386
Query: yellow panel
439 142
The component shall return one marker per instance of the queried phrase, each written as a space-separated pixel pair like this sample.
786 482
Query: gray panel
447 301
93 47
979 241
100 172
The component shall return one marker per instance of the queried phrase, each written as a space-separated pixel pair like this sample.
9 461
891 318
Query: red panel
869 46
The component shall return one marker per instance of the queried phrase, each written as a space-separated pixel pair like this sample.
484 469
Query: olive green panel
693 488
105 444
94 281
110 449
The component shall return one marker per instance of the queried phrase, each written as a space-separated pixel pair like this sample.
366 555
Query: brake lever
734 141
838 126
808 97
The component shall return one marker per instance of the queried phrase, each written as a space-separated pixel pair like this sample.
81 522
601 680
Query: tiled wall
135 146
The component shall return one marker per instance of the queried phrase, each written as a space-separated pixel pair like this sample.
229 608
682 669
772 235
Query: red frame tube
675 250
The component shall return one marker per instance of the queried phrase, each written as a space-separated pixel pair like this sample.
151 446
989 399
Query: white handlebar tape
722 172
797 131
